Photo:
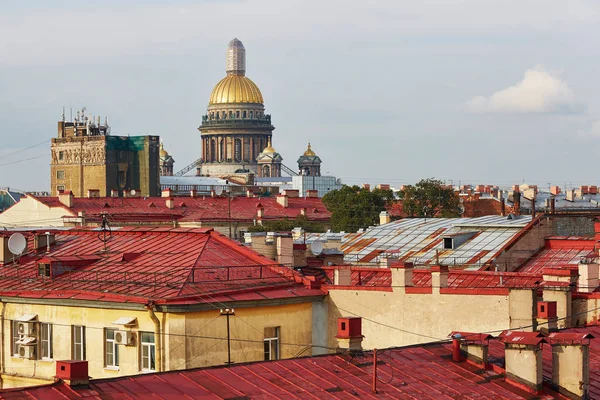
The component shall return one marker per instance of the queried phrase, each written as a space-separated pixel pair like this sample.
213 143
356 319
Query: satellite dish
317 247
17 243
218 190
133 192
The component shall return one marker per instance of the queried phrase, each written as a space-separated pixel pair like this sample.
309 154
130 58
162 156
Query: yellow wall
30 212
191 340
419 318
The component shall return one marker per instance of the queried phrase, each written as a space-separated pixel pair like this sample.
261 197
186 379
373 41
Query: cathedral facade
235 129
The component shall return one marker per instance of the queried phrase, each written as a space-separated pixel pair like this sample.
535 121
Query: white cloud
540 91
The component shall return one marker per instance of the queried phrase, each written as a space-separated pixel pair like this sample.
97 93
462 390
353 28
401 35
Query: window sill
112 368
147 371
48 360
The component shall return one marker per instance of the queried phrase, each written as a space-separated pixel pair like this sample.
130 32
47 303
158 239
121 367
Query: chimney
367 186
552 205
571 363
249 193
471 346
385 262
291 193
517 202
502 207
312 193
282 200
193 193
93 193
402 276
593 190
299 255
43 240
303 211
555 190
259 213
349 334
72 372
439 277
170 203
570 195
166 193
383 186
589 274
114 193
523 359
384 218
66 198
342 276
212 192
285 253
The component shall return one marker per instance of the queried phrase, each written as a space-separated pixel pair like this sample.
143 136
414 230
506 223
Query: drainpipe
3 354
150 307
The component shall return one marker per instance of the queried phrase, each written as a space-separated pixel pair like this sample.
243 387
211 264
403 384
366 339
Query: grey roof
194 180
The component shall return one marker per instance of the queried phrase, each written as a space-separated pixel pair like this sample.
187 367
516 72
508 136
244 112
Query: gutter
157 336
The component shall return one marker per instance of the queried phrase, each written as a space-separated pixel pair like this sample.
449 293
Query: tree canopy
354 208
429 198
287 225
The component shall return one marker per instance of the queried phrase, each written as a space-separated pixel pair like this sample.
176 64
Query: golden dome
269 148
235 89
309 152
163 152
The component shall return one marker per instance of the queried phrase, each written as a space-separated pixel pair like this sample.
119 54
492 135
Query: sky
467 91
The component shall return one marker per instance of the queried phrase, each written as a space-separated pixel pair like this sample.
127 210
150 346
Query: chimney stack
571 363
114 193
193 193
249 193
439 277
523 358
402 276
73 372
312 193
342 276
282 200
66 198
170 203
471 346
384 218
349 335
166 193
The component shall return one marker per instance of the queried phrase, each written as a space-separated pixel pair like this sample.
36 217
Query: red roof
415 372
168 265
457 278
205 209
559 253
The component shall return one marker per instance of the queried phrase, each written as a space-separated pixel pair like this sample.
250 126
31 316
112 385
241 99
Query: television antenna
316 247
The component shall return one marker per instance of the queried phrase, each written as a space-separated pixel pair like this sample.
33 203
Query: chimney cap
568 338
470 336
524 338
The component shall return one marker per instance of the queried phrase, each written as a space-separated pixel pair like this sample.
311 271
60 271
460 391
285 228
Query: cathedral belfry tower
235 129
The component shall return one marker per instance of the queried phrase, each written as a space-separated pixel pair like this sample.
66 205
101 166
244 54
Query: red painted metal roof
164 264
561 253
417 372
457 278
205 209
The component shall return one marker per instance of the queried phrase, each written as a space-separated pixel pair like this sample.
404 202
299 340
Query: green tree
286 225
353 208
429 198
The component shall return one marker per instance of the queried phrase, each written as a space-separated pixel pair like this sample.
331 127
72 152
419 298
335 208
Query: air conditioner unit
126 338
27 352
26 328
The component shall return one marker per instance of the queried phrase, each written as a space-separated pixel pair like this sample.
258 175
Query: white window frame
15 338
76 344
46 344
272 345
145 361
111 344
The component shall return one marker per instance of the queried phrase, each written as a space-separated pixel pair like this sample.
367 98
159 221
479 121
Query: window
60 188
61 155
244 114
251 114
78 342
148 349
237 114
230 114
15 338
448 244
111 356
272 343
46 340
43 270
60 174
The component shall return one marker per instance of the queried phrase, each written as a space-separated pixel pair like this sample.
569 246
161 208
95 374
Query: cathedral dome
235 89
309 152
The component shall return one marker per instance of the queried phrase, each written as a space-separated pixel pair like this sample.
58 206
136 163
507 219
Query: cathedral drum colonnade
235 129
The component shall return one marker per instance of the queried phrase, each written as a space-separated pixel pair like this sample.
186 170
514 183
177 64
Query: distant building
309 164
235 129
269 163
85 157
166 162
8 198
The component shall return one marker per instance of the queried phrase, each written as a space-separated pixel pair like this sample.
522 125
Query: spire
236 58
309 152
269 148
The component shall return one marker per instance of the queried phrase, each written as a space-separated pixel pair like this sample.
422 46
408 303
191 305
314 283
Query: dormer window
44 270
